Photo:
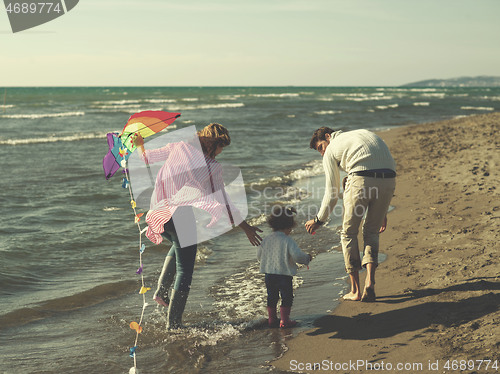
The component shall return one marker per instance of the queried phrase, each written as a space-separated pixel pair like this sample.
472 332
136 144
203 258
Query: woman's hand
138 140
251 233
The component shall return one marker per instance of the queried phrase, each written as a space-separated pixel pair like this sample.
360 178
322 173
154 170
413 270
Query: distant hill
481 81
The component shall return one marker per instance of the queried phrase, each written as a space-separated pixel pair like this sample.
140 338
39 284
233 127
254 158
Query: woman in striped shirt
190 177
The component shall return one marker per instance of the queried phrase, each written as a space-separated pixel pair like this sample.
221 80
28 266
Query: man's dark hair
319 135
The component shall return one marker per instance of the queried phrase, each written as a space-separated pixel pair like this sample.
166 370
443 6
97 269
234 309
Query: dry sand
438 292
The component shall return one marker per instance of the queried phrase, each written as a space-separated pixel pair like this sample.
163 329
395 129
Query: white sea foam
373 97
111 209
383 107
259 220
485 108
312 169
118 107
207 106
190 99
423 89
212 337
203 253
139 109
158 101
349 94
276 95
422 104
53 139
45 115
229 97
325 112
6 106
439 95
241 295
116 102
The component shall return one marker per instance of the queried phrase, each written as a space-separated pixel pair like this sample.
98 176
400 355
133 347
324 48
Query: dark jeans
184 257
279 284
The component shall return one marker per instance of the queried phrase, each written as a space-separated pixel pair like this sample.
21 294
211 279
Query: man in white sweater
370 185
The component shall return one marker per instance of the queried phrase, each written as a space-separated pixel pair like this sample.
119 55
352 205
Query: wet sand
438 292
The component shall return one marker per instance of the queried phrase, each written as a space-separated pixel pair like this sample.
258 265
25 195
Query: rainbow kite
122 145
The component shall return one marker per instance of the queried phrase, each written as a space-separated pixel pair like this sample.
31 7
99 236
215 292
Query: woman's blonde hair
212 136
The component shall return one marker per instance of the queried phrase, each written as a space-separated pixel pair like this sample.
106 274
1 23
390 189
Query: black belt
375 174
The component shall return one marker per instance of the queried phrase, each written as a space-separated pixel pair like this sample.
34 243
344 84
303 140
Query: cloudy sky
254 43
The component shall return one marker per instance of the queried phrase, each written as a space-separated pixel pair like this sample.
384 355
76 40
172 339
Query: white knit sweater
278 254
352 151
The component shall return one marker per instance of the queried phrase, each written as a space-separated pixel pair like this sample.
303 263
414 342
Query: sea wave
311 169
276 95
229 97
369 98
421 104
439 95
53 139
391 106
116 102
240 296
64 304
484 108
42 115
325 112
206 106
157 101
117 108
423 89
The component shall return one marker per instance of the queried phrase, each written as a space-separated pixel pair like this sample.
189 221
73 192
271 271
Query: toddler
278 255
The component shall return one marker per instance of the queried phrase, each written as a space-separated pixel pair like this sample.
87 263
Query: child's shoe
285 317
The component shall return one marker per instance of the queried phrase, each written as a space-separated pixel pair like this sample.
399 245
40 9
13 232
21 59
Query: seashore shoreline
438 291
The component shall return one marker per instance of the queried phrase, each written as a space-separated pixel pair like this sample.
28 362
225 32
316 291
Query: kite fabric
122 145
145 124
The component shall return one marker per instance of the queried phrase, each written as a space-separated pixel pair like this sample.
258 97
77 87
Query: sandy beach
438 292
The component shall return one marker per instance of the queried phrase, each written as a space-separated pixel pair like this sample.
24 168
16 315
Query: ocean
69 244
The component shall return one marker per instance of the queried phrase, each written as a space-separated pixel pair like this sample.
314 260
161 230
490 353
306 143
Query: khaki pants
370 198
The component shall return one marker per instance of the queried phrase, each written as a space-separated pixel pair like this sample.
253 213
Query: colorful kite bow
122 145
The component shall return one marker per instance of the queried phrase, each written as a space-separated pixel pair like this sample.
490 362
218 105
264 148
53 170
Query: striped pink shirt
187 178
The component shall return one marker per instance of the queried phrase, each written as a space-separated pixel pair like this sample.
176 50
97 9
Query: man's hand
311 226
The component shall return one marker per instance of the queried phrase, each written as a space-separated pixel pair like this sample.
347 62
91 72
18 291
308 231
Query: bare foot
368 295
352 297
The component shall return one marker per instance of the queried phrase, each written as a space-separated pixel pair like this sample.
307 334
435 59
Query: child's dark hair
281 218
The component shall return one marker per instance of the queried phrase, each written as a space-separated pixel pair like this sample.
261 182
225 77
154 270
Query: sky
254 43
